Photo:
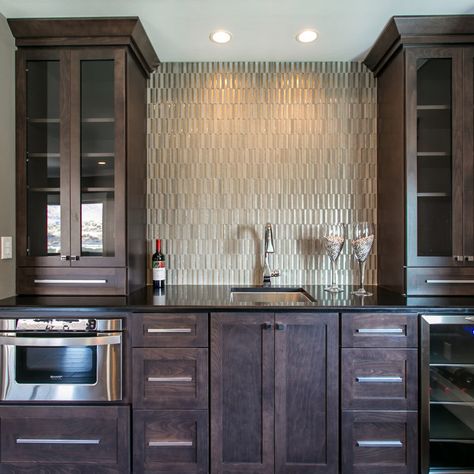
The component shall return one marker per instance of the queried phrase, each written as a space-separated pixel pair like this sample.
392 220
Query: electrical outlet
6 248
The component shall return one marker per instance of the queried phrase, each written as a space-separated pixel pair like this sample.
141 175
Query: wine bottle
159 267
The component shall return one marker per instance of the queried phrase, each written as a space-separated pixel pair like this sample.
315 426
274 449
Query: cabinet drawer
171 442
71 281
440 281
379 443
170 378
379 330
170 330
380 379
77 438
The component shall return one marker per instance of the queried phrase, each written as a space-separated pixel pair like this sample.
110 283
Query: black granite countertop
217 297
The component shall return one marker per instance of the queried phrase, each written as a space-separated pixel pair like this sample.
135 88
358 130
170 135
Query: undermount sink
266 295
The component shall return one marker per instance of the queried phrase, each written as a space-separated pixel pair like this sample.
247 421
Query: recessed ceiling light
306 36
220 36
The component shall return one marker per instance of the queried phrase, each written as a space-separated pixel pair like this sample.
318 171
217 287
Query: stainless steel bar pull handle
380 444
379 379
104 340
449 282
168 330
380 330
170 379
164 444
56 441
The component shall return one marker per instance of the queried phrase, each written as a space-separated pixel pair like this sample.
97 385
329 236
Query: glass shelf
98 120
433 107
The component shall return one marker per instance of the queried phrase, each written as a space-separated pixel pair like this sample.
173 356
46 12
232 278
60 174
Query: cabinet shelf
98 120
433 194
44 190
97 155
433 153
43 155
433 107
97 190
43 120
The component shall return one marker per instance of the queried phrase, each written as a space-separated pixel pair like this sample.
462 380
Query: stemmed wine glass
334 236
362 240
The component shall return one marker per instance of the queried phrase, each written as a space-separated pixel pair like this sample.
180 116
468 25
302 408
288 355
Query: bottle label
159 271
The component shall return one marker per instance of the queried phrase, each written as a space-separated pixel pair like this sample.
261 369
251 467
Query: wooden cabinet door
434 164
306 393
42 149
98 195
242 393
468 156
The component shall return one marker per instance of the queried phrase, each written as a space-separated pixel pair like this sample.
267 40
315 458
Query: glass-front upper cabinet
43 200
71 196
434 166
98 161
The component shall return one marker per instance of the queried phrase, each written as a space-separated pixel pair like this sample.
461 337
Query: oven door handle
102 340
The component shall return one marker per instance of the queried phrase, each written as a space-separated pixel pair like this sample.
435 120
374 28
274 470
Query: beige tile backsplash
232 146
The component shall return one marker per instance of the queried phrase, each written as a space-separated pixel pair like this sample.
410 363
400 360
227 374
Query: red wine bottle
159 267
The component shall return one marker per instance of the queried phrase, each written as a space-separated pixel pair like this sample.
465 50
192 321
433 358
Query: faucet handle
269 239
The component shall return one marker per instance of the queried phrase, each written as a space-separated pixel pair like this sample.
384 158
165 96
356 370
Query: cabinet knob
266 326
458 258
280 327
65 258
75 257
469 258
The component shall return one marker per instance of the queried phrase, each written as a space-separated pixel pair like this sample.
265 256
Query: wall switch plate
6 248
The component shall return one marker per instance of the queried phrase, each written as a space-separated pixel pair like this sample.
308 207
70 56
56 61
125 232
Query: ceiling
263 30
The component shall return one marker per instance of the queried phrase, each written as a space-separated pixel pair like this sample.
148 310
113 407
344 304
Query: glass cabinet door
434 165
43 155
97 227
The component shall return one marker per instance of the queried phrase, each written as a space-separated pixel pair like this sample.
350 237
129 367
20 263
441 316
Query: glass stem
333 273
361 275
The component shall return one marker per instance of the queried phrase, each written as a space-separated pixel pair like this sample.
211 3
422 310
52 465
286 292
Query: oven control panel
62 325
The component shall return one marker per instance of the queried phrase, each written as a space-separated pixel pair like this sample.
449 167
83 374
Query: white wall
7 152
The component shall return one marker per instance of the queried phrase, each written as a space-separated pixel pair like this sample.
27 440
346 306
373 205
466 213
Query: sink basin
268 295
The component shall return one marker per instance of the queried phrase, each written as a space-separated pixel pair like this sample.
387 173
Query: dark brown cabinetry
170 393
64 439
379 394
274 392
81 155
425 154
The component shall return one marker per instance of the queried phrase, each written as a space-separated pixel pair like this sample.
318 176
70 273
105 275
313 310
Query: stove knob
91 324
65 327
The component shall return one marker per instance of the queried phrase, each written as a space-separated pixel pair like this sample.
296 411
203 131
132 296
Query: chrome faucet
269 248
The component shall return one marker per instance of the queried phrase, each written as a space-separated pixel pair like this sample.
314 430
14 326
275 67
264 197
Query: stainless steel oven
447 388
61 359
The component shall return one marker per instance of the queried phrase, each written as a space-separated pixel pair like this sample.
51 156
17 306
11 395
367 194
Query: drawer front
444 281
71 281
171 442
380 379
170 330
379 330
379 443
79 437
170 378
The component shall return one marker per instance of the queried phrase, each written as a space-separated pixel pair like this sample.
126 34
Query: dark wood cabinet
81 155
379 442
170 393
170 378
171 442
424 67
379 393
64 439
274 390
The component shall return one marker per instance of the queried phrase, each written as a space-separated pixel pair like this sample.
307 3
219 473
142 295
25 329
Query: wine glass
362 240
333 239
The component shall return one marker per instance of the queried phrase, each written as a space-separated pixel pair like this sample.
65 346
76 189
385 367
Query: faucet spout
269 248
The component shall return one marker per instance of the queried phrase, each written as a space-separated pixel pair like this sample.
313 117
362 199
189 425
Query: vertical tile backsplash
232 146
